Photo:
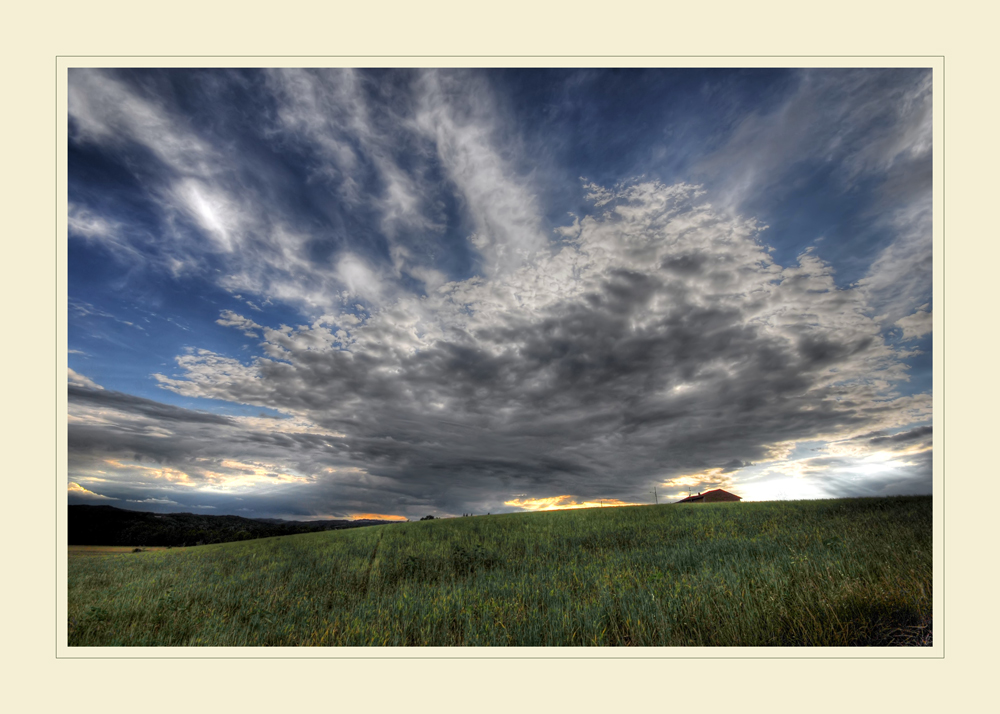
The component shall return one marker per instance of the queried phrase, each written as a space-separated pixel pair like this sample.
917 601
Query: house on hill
715 496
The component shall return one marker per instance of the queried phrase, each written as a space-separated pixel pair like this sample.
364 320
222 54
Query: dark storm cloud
137 405
621 372
122 449
920 434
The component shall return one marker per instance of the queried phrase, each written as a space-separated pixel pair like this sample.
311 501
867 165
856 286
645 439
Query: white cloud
78 380
213 210
359 279
228 318
916 325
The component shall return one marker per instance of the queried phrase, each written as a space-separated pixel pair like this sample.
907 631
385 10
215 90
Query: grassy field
836 572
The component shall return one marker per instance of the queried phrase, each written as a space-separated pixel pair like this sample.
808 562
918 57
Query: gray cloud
99 397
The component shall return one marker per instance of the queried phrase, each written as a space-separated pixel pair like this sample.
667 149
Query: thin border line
944 347
587 658
489 657
55 110
512 56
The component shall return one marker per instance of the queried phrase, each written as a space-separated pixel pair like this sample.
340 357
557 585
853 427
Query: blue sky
328 293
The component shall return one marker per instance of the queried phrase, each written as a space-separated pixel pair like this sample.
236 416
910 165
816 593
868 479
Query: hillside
851 572
107 525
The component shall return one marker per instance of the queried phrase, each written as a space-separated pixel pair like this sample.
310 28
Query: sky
391 293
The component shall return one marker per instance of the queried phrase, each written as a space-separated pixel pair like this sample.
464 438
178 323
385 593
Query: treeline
107 525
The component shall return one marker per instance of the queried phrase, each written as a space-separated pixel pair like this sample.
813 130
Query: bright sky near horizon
325 293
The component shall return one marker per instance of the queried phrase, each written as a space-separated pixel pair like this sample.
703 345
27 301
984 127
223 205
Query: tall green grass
838 572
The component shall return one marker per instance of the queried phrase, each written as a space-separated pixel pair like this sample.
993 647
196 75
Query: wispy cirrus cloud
458 112
212 212
872 130
208 210
863 122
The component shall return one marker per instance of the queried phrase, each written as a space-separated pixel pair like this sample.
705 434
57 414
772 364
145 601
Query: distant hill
107 525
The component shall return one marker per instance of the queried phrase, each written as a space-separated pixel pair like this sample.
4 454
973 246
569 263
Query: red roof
711 496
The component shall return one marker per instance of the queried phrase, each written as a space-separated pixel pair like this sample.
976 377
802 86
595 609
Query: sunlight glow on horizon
562 503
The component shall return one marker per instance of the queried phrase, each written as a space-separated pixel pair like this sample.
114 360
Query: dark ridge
107 525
